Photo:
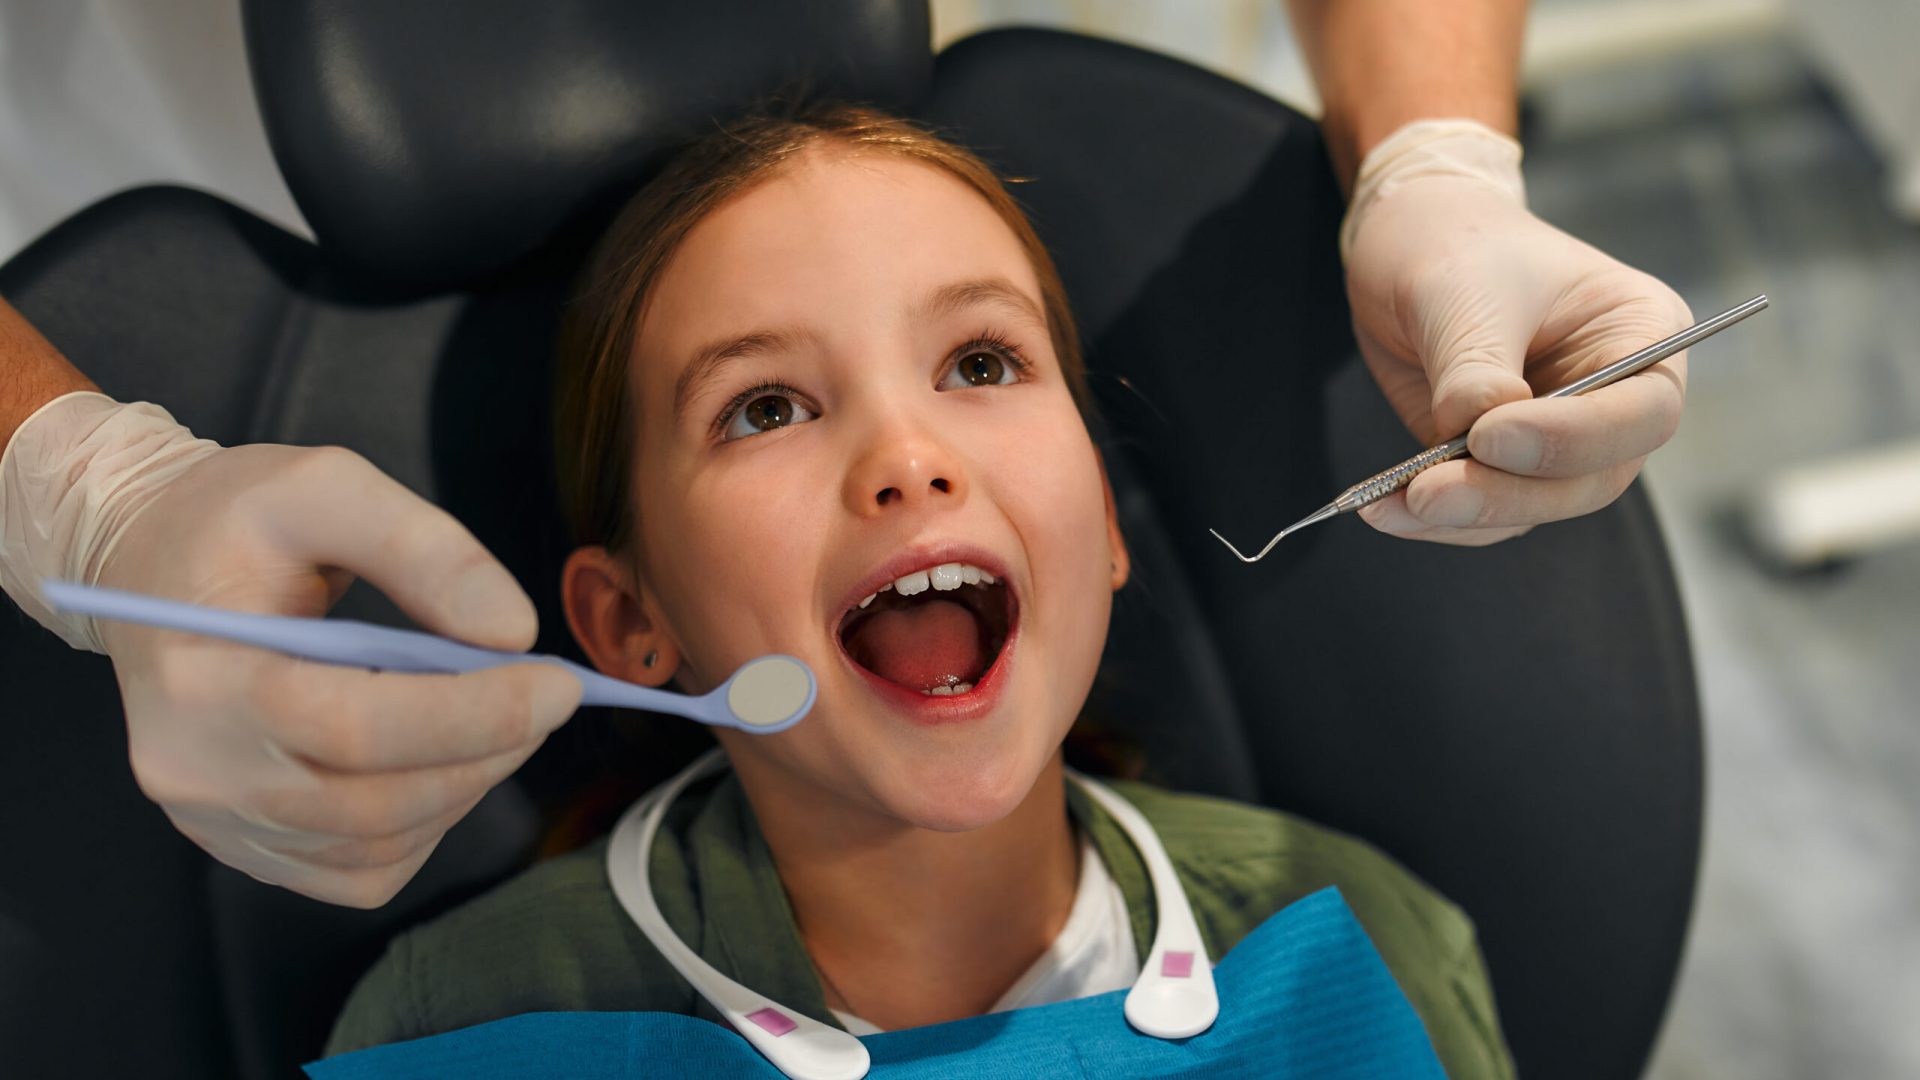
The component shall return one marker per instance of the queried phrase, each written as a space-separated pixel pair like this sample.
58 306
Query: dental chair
1518 724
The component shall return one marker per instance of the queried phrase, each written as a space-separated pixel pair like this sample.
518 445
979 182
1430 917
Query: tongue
932 643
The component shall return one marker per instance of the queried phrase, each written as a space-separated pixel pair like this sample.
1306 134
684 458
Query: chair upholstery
1516 724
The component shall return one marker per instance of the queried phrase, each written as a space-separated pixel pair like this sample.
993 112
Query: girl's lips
1004 624
933 709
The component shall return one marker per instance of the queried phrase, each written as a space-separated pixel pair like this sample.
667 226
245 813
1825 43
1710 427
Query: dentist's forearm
1380 64
32 372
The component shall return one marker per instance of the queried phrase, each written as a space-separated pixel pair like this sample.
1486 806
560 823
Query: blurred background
1727 146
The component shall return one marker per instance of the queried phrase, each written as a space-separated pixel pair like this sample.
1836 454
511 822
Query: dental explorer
1383 484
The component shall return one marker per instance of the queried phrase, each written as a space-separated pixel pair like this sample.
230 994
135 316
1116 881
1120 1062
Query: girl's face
842 378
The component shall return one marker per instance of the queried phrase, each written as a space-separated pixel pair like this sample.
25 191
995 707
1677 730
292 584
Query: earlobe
614 620
1116 542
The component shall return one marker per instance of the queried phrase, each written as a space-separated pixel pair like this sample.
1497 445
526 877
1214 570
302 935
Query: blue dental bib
1304 995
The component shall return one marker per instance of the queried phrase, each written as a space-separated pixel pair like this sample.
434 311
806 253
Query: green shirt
556 939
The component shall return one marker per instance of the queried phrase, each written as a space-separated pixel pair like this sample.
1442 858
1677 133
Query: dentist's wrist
1457 149
76 474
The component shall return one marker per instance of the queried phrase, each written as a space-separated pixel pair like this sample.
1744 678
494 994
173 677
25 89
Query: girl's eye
763 412
984 364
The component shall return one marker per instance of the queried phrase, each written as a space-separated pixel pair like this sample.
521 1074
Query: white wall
100 95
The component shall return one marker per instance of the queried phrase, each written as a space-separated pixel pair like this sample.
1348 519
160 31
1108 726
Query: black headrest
428 166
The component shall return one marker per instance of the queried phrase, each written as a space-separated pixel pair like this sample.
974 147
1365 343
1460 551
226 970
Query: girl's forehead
839 207
833 236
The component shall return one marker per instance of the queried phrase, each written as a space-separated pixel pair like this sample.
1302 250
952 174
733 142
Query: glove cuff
1460 149
76 474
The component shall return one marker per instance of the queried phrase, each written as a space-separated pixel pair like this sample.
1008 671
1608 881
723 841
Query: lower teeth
946 691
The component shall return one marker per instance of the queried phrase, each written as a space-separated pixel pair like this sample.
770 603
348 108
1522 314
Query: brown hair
593 431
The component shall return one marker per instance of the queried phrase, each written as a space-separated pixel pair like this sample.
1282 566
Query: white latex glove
1466 307
334 782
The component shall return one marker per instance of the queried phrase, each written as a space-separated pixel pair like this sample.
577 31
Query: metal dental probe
1381 485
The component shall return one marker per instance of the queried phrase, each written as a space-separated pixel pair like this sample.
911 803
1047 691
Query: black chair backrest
1516 724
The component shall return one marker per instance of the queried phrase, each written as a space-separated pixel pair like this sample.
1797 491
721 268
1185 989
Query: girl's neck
911 926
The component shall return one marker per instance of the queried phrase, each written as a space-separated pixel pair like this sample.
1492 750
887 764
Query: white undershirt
1093 953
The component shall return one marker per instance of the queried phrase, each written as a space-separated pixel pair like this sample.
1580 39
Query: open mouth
938 630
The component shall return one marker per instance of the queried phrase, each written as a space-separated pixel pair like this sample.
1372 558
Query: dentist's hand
334 782
1467 308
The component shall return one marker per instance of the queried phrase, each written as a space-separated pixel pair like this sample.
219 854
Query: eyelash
995 341
988 340
741 400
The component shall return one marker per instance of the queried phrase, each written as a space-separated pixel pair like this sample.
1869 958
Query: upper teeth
945 578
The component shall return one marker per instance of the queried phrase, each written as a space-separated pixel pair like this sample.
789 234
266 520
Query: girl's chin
950 795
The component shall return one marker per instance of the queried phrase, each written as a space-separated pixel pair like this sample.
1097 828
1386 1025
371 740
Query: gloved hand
1466 304
334 782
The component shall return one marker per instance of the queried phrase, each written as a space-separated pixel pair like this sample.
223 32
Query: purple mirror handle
359 644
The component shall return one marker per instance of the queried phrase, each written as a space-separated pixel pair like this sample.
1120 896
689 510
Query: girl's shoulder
553 938
1240 864
1246 862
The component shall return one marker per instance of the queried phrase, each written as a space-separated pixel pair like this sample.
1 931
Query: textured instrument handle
1380 485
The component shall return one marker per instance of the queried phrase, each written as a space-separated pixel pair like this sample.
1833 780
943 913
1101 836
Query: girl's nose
904 467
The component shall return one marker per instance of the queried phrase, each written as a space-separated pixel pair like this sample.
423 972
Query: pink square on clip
1177 965
772 1021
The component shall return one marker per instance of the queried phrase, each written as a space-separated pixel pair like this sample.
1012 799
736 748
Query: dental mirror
768 694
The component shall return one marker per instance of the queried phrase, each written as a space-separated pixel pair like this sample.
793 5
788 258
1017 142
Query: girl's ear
1122 563
615 621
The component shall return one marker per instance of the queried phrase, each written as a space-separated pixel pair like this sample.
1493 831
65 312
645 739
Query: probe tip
1230 547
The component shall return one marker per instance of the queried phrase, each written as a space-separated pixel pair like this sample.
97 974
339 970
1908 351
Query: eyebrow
712 359
980 292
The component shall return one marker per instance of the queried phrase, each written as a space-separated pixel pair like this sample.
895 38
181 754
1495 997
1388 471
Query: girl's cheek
1054 481
744 536
759 486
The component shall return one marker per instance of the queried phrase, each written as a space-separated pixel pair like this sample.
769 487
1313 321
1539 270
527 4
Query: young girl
822 395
